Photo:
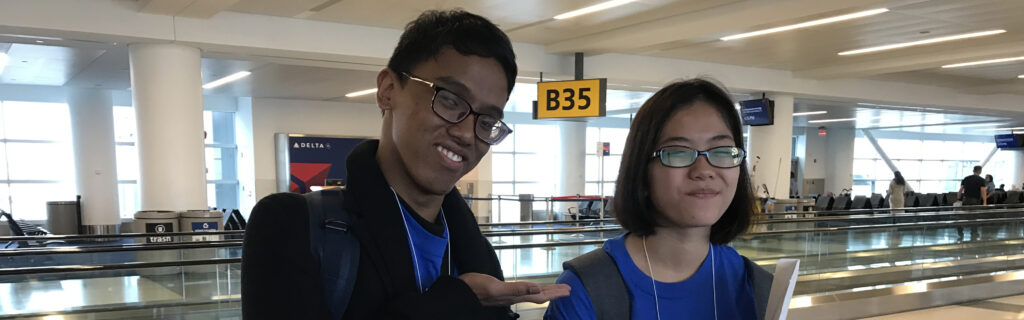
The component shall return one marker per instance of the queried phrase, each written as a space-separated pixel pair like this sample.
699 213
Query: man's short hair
467 33
977 169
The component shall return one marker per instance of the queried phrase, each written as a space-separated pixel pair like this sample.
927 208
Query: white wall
270 116
245 156
814 155
839 160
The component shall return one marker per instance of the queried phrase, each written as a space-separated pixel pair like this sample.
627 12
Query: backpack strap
603 282
334 245
761 281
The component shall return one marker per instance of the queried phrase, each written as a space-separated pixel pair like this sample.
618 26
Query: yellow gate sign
570 99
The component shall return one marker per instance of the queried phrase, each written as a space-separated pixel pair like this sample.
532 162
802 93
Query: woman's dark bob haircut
633 206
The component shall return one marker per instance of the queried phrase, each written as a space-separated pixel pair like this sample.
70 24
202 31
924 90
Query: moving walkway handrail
526 223
119 235
127 247
118 266
906 209
525 232
885 216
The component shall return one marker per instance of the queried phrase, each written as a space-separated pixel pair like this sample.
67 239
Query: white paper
786 272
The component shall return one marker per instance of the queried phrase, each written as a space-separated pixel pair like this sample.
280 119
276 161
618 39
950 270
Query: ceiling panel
288 8
35 64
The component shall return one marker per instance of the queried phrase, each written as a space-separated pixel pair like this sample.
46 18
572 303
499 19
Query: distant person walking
972 189
897 189
973 192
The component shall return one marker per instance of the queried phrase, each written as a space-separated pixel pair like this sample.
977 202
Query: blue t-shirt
689 299
429 250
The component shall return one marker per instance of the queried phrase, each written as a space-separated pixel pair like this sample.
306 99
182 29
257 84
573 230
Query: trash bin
201 221
62 217
156 221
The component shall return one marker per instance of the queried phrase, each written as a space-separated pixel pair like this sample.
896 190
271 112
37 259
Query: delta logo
311 145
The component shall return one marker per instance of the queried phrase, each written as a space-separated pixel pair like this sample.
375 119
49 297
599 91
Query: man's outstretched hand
494 292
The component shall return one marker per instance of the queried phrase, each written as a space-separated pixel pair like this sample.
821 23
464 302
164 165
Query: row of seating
913 200
591 209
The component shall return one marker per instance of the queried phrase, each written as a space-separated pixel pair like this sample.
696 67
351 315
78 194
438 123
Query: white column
167 94
92 135
1018 171
571 180
771 150
839 159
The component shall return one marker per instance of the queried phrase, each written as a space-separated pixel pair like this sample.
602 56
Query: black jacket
281 281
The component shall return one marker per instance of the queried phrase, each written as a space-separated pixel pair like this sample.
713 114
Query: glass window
529 167
616 137
863 169
207 127
124 124
128 199
41 161
611 167
499 188
28 200
592 168
127 162
592 139
502 164
533 138
36 121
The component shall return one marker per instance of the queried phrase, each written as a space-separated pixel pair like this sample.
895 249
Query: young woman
683 193
897 188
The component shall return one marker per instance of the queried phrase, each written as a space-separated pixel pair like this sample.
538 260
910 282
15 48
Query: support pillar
839 159
771 151
92 135
573 151
167 94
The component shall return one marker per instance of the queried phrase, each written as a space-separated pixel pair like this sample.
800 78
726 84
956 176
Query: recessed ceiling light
832 120
1020 76
844 119
974 63
812 23
809 113
923 42
361 93
222 81
591 9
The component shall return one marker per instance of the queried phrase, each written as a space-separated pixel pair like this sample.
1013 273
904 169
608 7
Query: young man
972 189
422 254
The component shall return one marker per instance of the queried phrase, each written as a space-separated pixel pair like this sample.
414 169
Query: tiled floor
1001 308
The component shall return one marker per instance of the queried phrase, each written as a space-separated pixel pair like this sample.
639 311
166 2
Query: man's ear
387 85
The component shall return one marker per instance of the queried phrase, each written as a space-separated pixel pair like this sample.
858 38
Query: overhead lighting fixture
1007 129
591 9
1020 76
975 63
225 80
807 24
843 119
3 61
832 120
922 42
361 93
809 113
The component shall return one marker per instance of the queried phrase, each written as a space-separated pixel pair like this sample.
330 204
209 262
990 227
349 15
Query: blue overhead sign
1009 141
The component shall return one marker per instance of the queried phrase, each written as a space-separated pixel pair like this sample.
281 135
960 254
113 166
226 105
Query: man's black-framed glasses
453 108
681 157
